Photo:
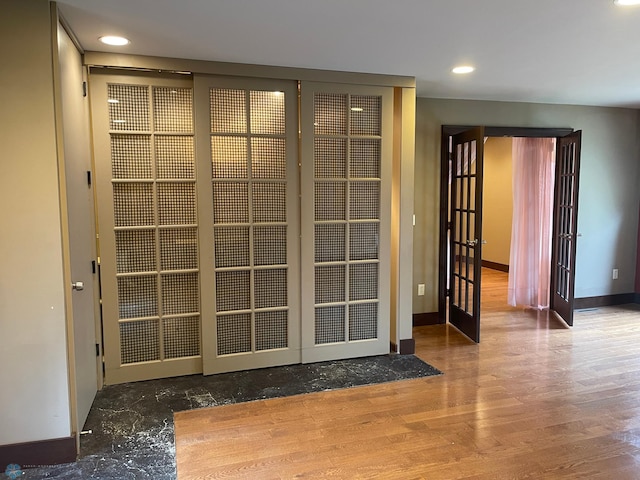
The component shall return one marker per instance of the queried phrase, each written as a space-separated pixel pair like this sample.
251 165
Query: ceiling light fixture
462 69
357 109
626 3
114 41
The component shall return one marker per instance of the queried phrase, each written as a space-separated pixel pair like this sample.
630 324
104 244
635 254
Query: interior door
345 205
565 225
79 195
248 182
466 231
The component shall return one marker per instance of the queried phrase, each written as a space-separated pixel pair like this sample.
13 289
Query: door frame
446 132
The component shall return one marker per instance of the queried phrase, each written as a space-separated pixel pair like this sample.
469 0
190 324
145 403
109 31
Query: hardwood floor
534 399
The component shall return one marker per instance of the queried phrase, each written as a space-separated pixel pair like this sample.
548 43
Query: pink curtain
530 259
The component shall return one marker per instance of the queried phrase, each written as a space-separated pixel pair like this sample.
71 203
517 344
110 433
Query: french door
223 245
249 222
465 231
346 152
565 225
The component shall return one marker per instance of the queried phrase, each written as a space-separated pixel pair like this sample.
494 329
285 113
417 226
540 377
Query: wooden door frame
447 131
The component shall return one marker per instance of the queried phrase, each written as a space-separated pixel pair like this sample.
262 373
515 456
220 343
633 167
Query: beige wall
497 200
34 398
608 198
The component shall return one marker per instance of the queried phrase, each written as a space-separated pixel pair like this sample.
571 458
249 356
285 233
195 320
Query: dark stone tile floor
131 424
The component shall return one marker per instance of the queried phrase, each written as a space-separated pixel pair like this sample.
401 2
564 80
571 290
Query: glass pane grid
131 157
330 114
329 324
181 337
228 110
272 330
139 341
233 333
173 109
175 157
128 107
267 112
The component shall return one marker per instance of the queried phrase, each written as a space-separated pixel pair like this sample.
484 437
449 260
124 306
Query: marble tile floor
131 424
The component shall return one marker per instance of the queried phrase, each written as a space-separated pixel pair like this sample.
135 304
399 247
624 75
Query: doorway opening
461 220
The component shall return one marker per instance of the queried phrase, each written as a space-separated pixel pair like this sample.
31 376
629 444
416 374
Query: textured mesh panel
228 111
128 107
181 337
135 251
364 200
131 156
330 201
269 202
175 157
365 115
234 333
176 203
363 281
330 157
231 246
329 325
330 283
230 203
138 296
180 293
365 158
364 241
179 249
270 288
173 109
272 330
233 291
133 204
139 341
363 321
270 245
330 246
267 112
330 114
268 158
229 157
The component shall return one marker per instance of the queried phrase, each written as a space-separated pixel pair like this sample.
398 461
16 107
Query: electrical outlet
615 273
420 289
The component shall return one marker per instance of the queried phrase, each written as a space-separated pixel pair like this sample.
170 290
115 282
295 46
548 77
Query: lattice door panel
145 164
347 172
254 284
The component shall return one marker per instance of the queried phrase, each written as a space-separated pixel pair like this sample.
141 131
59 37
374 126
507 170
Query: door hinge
448 293
97 349
89 177
93 266
84 89
449 225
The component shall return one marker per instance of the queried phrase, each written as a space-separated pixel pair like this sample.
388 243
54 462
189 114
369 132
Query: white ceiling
584 52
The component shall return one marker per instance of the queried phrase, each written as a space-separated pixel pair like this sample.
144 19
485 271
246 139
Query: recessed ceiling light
357 109
462 69
626 3
114 41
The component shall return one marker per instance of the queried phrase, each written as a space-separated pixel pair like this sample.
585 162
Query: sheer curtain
530 259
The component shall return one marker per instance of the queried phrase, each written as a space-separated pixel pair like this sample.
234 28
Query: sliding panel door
146 197
247 151
346 167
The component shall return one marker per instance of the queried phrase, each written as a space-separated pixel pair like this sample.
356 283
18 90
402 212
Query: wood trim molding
431 318
186 66
39 454
495 266
605 300
407 346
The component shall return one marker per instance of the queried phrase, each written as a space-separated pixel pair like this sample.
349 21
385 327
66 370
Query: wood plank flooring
534 399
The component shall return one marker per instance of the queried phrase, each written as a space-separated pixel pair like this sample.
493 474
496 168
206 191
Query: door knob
77 286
